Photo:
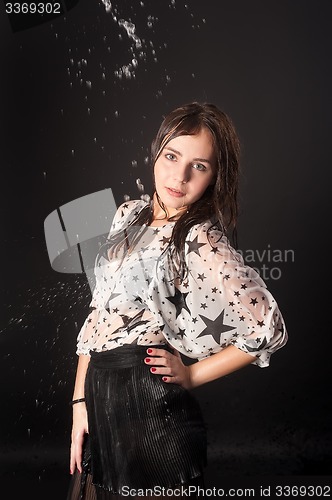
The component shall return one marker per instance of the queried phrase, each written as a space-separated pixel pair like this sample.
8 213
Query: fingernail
164 379
147 360
153 369
149 351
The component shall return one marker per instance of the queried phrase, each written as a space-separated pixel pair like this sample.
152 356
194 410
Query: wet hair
219 201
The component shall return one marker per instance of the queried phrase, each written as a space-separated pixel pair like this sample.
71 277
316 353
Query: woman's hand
79 429
169 365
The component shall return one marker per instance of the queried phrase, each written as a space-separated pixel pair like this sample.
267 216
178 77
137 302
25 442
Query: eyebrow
195 159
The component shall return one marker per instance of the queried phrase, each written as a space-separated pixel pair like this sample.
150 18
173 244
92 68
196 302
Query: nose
182 174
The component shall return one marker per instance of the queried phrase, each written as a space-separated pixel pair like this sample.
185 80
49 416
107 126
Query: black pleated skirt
143 432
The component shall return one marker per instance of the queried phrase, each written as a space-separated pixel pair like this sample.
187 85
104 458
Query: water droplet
134 163
139 185
108 5
126 197
88 84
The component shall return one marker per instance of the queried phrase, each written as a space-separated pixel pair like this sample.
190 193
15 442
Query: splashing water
143 196
108 5
140 46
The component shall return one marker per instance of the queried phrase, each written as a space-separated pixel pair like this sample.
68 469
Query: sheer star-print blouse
138 297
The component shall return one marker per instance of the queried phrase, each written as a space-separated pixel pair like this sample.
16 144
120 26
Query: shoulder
207 238
127 212
131 206
207 232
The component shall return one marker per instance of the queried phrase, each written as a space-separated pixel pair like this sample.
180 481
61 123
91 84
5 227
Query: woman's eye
169 156
199 166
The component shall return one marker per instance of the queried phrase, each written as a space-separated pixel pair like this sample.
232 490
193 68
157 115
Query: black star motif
215 327
164 240
130 323
194 246
253 348
254 301
178 300
181 332
201 277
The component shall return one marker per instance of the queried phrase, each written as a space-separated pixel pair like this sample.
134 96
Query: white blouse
138 297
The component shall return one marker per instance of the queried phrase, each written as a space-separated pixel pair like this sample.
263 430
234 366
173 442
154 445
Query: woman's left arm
174 371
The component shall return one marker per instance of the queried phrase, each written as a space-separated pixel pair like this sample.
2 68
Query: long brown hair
219 202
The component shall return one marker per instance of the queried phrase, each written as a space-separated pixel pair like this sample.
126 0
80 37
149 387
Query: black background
267 64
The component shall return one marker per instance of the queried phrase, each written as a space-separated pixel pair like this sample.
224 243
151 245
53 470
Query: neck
171 213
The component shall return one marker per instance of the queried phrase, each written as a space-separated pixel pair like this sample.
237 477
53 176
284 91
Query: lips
175 192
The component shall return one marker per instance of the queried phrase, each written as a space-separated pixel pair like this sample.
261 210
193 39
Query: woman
168 283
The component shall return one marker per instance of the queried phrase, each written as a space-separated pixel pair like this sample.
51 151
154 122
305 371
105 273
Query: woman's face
184 169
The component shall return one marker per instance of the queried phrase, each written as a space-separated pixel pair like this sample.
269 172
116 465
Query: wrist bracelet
74 401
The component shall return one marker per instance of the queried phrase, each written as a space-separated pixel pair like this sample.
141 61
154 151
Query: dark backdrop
71 126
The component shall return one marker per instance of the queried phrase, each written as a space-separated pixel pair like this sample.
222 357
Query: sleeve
125 213
220 302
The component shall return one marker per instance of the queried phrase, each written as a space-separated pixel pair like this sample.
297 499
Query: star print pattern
220 302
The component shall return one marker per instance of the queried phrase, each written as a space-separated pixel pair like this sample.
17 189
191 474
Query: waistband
124 356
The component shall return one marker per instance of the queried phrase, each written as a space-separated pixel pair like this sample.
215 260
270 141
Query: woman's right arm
80 417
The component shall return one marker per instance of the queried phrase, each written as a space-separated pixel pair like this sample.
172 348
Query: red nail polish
164 379
149 351
153 369
147 360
